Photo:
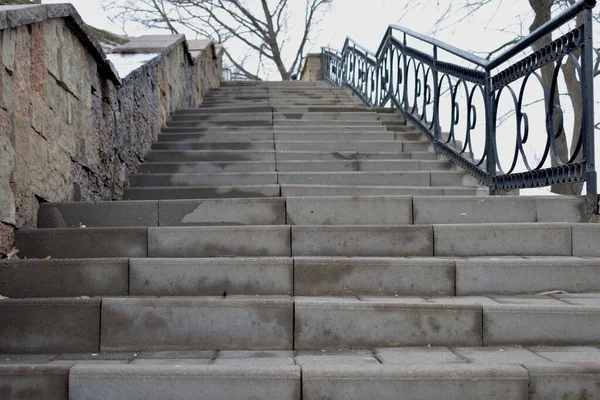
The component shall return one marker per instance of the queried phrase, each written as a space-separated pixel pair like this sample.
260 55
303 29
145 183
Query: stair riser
172 193
206 167
360 165
209 155
230 179
263 145
308 276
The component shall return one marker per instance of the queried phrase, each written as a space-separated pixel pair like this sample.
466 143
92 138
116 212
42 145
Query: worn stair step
219 241
499 209
332 135
197 323
347 322
98 214
185 382
355 190
82 242
380 178
47 325
363 165
325 116
366 145
205 167
228 137
387 382
212 125
350 210
354 155
528 275
381 276
210 155
362 240
211 130
225 178
211 277
225 110
253 145
200 192
223 117
259 211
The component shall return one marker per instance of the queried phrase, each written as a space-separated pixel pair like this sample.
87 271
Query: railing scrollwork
455 99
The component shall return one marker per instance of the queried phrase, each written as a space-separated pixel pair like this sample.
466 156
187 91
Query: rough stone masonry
71 128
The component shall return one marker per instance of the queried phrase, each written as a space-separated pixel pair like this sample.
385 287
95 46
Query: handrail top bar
479 61
522 44
542 31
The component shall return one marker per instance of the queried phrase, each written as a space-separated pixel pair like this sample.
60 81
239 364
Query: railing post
404 77
391 68
437 129
587 89
490 133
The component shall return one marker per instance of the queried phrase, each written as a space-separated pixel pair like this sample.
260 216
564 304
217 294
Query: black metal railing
417 74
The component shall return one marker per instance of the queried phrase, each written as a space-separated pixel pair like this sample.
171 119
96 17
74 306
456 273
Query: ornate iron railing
418 77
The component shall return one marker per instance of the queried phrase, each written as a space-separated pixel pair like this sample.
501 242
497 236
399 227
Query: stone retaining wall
70 127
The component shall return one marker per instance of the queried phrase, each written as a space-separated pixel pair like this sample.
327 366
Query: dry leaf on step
12 255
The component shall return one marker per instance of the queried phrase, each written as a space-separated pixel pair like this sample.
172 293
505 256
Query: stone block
540 325
210 277
386 178
174 193
392 382
563 381
568 354
526 275
219 241
49 325
150 44
498 355
98 214
222 212
17 16
363 241
64 278
562 209
83 242
502 240
177 355
473 210
184 382
344 357
368 210
586 240
197 323
331 324
417 356
9 42
373 276
34 381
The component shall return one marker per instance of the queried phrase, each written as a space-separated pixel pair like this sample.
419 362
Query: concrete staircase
285 242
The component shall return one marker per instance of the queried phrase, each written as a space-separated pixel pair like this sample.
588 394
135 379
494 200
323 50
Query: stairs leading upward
285 242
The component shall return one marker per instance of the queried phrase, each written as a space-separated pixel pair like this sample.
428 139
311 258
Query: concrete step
185 382
366 145
354 155
226 178
210 155
209 130
304 276
232 322
380 178
364 165
354 190
259 211
267 115
332 135
454 373
81 325
230 124
227 137
205 167
326 117
253 145
200 192
179 242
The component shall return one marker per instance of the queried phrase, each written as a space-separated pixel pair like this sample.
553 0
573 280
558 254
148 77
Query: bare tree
260 28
